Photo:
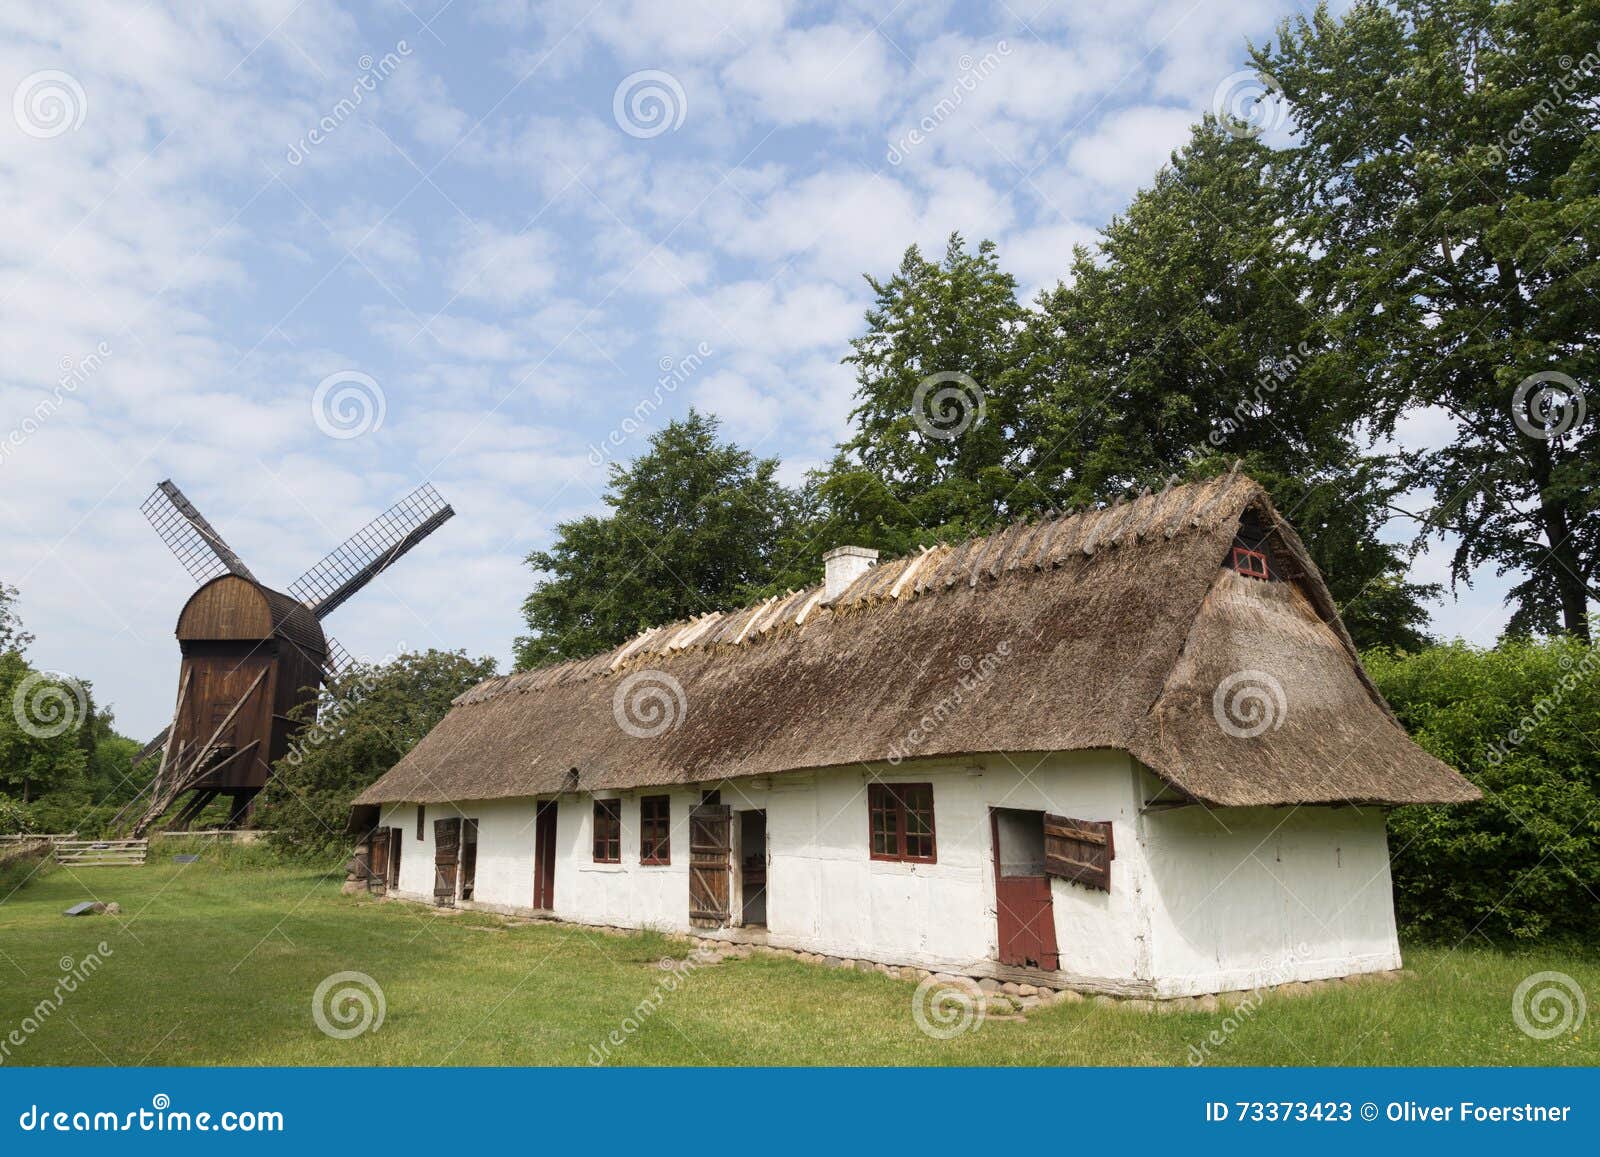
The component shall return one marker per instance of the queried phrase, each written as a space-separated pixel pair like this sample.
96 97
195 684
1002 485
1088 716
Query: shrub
375 715
1522 721
14 819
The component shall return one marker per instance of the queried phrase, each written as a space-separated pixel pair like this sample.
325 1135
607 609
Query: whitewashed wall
1258 896
1194 906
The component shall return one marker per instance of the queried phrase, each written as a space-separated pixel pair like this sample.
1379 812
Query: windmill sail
190 537
371 550
337 662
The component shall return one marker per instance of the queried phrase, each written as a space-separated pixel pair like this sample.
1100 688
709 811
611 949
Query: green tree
695 525
1181 344
42 717
363 726
931 456
1447 175
12 636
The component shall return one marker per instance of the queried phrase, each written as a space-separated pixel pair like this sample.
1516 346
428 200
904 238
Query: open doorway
753 868
544 856
1023 907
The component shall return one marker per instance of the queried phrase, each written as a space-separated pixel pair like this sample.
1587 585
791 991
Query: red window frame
1250 563
655 829
608 831
900 824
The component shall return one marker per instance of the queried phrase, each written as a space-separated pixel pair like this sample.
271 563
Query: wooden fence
101 853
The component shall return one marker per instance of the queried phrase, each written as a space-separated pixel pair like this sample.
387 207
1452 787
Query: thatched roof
1110 628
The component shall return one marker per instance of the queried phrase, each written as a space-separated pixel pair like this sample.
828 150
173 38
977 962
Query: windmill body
232 632
254 657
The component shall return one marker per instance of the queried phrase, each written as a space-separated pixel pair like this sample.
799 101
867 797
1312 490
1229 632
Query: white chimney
841 566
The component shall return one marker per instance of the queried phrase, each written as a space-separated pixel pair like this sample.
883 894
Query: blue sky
496 223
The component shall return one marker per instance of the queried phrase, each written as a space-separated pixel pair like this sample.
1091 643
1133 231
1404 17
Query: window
655 829
901 821
608 831
421 821
1250 563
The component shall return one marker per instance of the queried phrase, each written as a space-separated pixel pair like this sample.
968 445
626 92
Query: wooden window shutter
1079 850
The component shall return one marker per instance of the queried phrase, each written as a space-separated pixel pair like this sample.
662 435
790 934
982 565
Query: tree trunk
1566 568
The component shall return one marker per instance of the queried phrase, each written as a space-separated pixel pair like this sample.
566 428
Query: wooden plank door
378 860
396 842
544 856
710 831
446 860
1024 911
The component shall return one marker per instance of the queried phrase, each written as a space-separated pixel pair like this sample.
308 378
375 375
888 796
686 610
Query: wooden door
1024 911
710 828
377 875
544 856
396 842
446 860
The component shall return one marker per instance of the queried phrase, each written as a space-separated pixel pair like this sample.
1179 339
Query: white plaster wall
1200 901
1261 896
824 892
416 856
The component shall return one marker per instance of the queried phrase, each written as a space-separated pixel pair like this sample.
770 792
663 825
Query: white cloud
829 74
503 269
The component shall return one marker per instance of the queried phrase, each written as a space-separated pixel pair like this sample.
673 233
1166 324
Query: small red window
1250 563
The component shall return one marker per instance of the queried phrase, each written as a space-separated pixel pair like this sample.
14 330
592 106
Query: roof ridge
921 573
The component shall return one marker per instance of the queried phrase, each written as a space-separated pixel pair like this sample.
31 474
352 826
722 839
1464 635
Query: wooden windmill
251 654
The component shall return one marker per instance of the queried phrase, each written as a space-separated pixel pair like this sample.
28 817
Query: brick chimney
841 566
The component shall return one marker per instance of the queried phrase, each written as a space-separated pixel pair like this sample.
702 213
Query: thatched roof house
1119 633
1138 633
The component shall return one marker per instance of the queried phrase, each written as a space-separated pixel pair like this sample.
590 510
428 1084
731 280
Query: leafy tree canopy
1447 175
695 525
375 714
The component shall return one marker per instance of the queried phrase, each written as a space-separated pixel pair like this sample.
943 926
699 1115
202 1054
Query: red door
1023 908
544 856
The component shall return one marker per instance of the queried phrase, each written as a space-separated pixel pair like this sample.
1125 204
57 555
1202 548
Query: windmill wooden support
254 657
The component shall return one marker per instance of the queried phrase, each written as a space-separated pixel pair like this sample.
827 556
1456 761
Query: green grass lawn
213 963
